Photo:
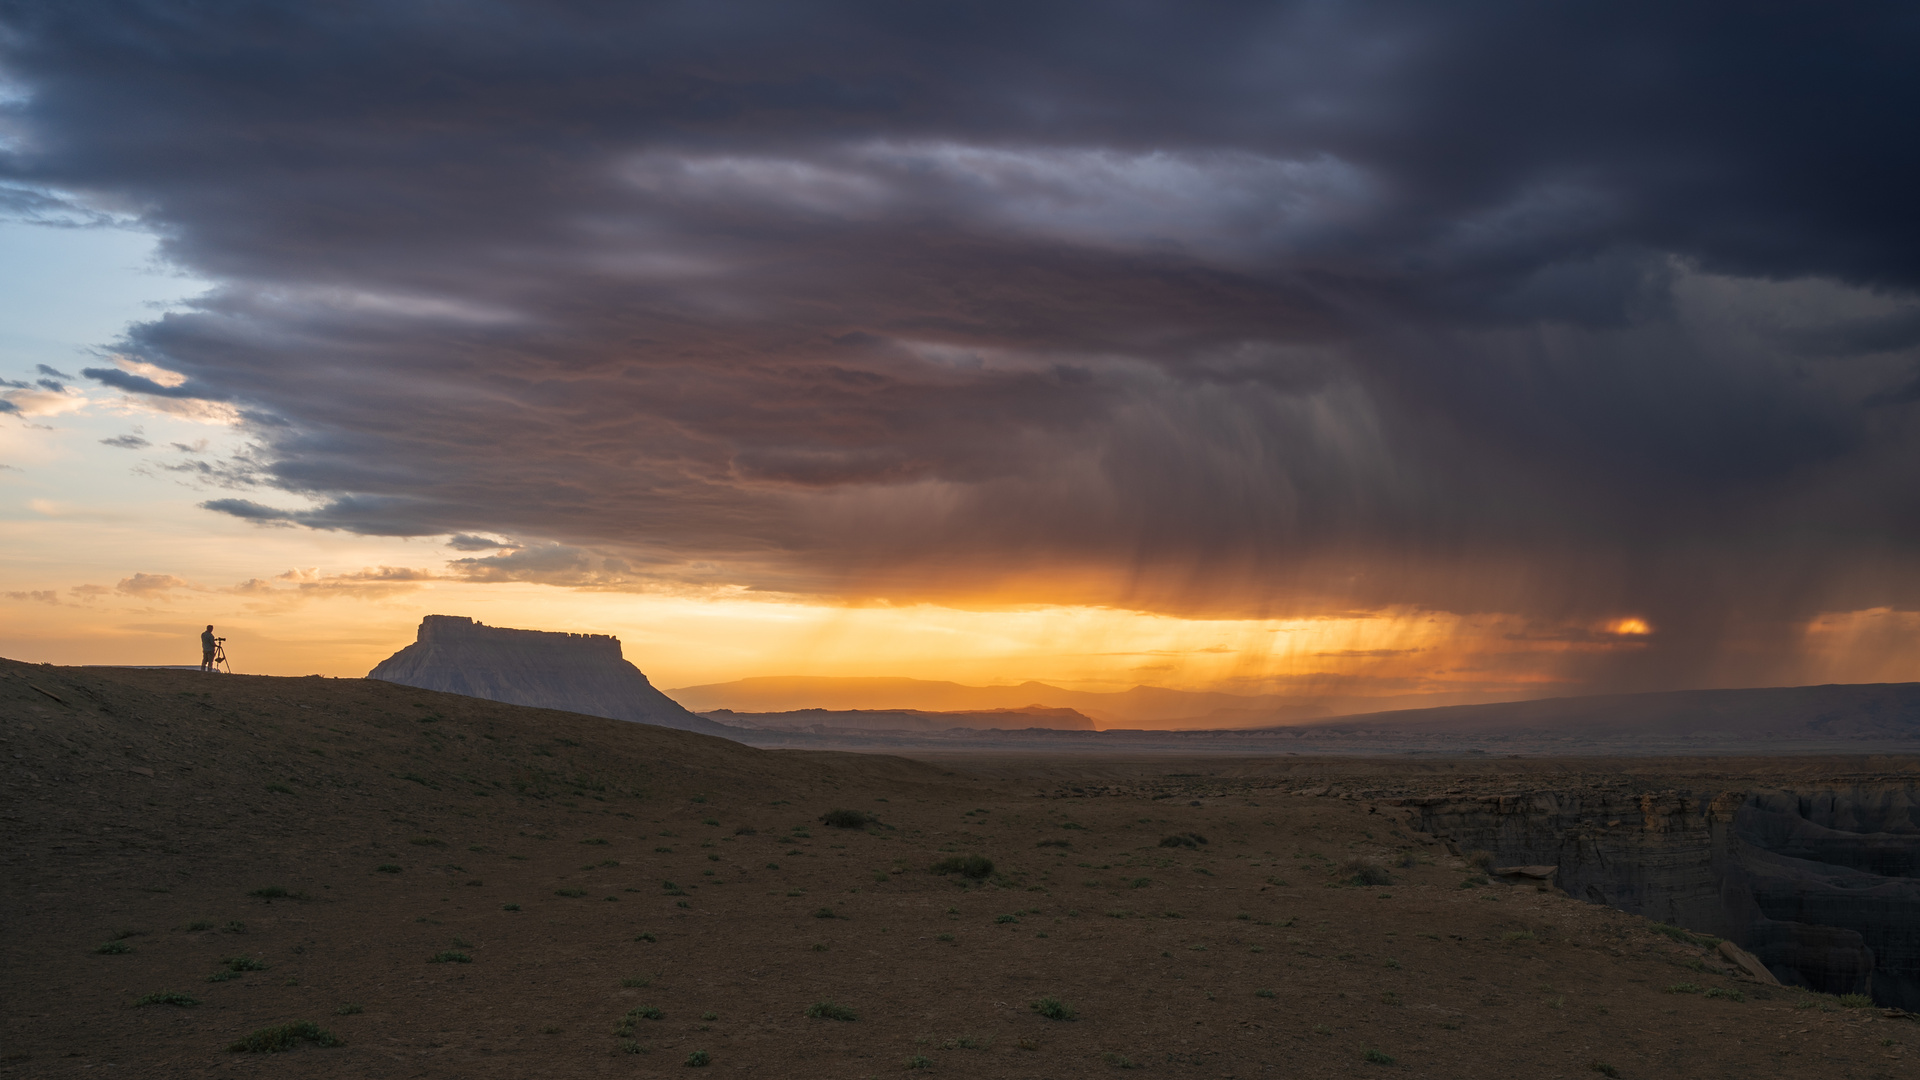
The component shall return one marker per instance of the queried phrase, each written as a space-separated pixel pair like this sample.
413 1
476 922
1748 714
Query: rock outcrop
1821 885
582 673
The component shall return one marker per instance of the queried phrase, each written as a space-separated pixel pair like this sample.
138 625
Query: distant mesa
581 673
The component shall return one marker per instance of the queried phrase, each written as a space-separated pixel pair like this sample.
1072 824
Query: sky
1392 352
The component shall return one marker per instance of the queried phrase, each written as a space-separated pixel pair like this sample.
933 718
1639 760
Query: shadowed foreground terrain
461 888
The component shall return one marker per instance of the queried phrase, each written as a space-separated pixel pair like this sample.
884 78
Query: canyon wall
1821 883
582 673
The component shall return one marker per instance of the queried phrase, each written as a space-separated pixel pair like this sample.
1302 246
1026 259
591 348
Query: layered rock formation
582 673
1822 884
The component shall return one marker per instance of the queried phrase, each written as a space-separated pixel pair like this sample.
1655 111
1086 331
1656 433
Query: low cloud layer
1580 313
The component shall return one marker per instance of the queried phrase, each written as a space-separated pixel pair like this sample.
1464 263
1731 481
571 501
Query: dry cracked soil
450 887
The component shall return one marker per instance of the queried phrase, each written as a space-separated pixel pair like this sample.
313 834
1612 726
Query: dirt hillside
451 887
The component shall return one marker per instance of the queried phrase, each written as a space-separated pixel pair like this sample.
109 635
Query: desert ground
450 887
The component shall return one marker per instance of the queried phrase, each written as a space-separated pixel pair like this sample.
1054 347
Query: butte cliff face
582 673
1822 883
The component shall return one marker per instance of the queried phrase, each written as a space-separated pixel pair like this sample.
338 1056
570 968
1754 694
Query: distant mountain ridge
834 720
582 673
1141 706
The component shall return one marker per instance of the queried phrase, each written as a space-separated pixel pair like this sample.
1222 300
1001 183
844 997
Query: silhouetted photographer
213 653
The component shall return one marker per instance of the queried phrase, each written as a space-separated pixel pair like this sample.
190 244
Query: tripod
220 656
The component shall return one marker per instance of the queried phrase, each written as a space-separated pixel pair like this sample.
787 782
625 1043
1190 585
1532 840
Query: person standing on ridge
206 649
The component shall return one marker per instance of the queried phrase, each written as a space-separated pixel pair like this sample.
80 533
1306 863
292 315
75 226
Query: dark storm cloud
1574 310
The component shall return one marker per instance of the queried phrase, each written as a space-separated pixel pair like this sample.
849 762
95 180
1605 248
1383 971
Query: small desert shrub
697 1059
509 907
386 868
593 840
1481 859
1118 1061
1406 861
1474 882
1731 995
1263 993
824 913
633 982
168 997
1189 839
428 841
278 892
977 867
244 963
223 976
845 819
351 1008
827 1010
1855 1001
270 1040
645 937
574 894
1006 918
1139 883
200 925
1365 872
1376 1056
1603 1068
1053 1009
1685 988
1513 936
633 1016
746 830
113 948
280 789
944 937
918 1062
1055 843
450 956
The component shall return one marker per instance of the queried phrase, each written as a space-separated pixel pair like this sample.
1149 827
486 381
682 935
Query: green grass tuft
168 997
273 1040
1053 1009
450 956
